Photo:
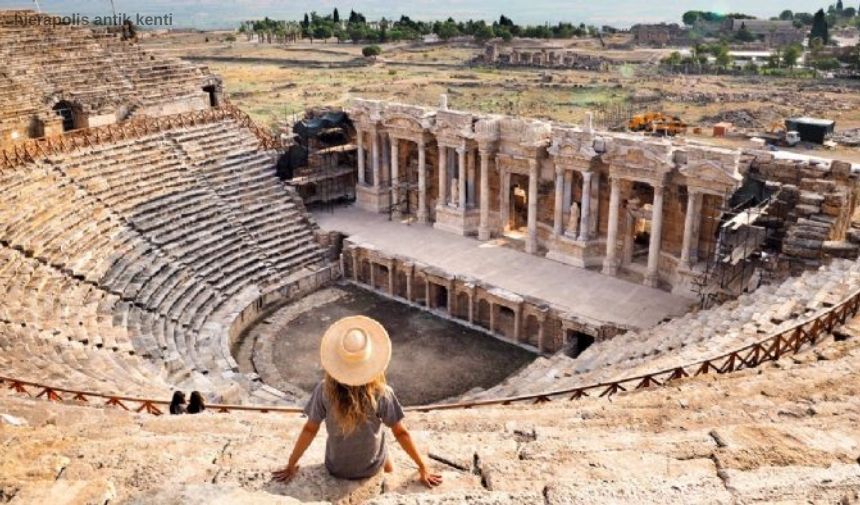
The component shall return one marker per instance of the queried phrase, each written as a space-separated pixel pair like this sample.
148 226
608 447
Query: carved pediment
712 172
640 157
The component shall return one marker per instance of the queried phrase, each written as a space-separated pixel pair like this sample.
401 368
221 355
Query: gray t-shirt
362 453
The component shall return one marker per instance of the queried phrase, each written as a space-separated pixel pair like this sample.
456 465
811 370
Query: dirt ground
274 82
432 358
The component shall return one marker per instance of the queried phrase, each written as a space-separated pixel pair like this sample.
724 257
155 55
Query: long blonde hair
352 405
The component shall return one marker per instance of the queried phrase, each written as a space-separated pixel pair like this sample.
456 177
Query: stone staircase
784 433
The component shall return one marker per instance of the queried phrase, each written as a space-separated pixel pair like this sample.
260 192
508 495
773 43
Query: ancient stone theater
594 316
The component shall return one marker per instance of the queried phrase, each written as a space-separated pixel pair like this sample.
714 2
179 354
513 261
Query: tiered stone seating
127 247
693 337
65 57
245 179
781 434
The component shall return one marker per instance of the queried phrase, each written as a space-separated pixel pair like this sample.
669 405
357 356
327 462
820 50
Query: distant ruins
540 55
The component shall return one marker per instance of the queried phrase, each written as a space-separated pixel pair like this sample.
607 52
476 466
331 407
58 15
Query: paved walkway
576 290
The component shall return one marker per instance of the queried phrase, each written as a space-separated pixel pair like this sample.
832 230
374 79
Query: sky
619 13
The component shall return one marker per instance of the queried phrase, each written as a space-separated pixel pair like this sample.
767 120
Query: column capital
658 189
559 170
460 150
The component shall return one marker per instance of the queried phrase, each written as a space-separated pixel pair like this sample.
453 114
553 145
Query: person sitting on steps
177 404
195 403
354 401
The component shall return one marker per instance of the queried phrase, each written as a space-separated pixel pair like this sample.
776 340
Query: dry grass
272 82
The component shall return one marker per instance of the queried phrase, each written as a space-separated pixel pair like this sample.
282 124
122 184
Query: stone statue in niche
573 221
455 192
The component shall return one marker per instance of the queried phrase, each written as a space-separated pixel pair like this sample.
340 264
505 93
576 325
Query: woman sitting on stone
355 402
195 403
177 404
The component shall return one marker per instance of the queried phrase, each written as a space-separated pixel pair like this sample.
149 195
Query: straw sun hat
354 350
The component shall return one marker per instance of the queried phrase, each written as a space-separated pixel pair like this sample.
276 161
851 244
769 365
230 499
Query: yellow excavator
657 123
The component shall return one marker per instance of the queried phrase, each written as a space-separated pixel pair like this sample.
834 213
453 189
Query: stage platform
578 291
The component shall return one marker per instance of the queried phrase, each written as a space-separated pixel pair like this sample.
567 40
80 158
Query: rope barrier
806 333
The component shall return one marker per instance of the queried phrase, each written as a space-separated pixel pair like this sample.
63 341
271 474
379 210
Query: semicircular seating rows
123 264
695 336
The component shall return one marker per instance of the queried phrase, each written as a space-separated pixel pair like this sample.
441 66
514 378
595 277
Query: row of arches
520 322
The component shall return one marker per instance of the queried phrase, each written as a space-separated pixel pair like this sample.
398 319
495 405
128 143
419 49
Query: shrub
371 51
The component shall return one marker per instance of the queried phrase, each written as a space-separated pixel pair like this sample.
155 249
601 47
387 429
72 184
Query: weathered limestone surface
128 267
692 337
100 77
786 433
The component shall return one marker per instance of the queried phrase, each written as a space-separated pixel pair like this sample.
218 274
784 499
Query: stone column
442 199
422 183
395 176
504 199
391 278
360 142
409 276
492 317
461 177
470 178
558 211
651 274
610 263
484 225
540 343
355 265
471 295
689 224
697 228
372 276
531 239
585 208
427 292
375 160
518 315
568 182
451 299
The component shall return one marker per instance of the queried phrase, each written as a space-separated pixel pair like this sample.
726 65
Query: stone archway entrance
69 113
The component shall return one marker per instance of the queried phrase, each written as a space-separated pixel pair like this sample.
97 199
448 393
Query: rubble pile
850 138
740 118
813 204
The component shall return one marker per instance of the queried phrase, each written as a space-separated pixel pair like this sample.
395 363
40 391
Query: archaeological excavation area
577 315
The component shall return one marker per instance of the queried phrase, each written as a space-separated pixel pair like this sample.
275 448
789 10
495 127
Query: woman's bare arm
309 431
405 440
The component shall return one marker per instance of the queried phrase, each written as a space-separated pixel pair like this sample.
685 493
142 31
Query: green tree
744 35
322 32
371 51
690 17
722 56
786 15
484 33
819 27
335 16
448 30
791 55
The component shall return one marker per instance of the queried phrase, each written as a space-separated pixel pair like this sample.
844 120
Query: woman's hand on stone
430 480
286 474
